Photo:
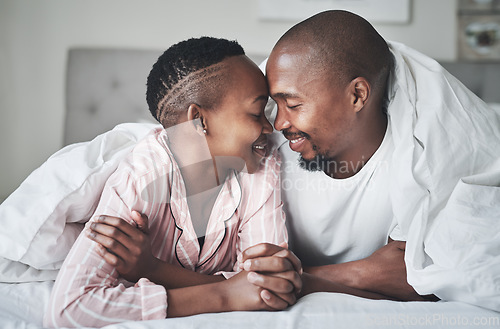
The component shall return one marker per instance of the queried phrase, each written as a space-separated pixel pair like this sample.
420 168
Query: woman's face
237 128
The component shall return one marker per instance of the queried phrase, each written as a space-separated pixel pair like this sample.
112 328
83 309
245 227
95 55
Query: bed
105 88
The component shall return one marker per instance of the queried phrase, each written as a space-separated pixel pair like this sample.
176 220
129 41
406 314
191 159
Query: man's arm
379 276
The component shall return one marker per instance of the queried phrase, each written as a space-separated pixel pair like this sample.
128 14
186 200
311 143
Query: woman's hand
124 246
234 294
242 295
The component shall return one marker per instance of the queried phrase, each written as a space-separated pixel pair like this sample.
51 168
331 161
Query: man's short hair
346 45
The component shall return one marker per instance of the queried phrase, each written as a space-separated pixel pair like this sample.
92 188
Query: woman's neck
192 154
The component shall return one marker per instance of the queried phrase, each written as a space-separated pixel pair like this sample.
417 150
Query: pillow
41 219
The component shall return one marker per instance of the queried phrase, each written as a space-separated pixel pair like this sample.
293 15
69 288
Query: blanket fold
446 183
42 218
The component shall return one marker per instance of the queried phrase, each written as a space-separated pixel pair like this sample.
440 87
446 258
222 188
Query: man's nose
281 122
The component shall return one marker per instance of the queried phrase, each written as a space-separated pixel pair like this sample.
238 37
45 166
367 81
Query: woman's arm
128 249
88 292
234 294
188 292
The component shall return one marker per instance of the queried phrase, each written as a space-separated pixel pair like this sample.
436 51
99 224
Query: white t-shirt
337 220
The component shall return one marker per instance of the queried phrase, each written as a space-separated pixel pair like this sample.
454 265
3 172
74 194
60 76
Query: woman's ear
360 91
194 114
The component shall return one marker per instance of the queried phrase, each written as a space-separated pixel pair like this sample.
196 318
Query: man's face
313 114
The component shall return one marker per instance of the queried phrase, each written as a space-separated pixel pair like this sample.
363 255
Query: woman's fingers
118 224
268 264
109 257
282 261
141 220
292 258
110 249
281 283
259 250
276 302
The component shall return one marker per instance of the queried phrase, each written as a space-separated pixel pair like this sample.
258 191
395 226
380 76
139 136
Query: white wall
35 36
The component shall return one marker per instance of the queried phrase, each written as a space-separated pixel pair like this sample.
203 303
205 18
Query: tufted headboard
105 87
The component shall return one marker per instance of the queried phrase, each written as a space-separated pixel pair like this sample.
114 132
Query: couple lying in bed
192 220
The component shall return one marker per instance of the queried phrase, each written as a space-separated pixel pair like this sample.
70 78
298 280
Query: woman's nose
267 128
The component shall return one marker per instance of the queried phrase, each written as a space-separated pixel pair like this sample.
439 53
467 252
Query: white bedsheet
22 305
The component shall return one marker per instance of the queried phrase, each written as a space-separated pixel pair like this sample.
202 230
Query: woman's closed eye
293 106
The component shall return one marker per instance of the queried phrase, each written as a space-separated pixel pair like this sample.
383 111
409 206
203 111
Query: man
390 147
390 175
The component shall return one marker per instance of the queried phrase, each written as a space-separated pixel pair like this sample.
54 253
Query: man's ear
195 115
360 91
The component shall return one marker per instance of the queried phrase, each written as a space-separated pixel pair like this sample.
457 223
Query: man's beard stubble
320 162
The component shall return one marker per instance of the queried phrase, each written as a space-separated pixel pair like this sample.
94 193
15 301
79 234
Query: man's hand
275 269
262 257
124 246
385 273
380 276
382 273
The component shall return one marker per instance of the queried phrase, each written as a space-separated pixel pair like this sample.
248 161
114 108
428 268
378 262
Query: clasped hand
273 271
124 246
276 270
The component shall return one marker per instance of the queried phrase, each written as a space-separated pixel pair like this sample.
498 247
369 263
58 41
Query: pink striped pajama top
247 211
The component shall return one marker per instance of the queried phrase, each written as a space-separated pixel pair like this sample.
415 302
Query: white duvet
446 182
42 218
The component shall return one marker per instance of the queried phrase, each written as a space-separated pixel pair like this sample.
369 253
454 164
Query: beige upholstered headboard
106 87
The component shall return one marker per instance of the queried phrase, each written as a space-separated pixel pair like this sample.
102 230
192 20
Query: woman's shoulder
150 154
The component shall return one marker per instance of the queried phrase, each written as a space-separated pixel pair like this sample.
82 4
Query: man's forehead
285 95
283 69
288 56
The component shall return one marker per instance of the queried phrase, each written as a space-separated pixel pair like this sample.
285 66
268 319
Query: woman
210 188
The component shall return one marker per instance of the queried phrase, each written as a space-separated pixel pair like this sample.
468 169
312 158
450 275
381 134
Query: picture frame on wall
478 6
375 11
479 30
479 38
